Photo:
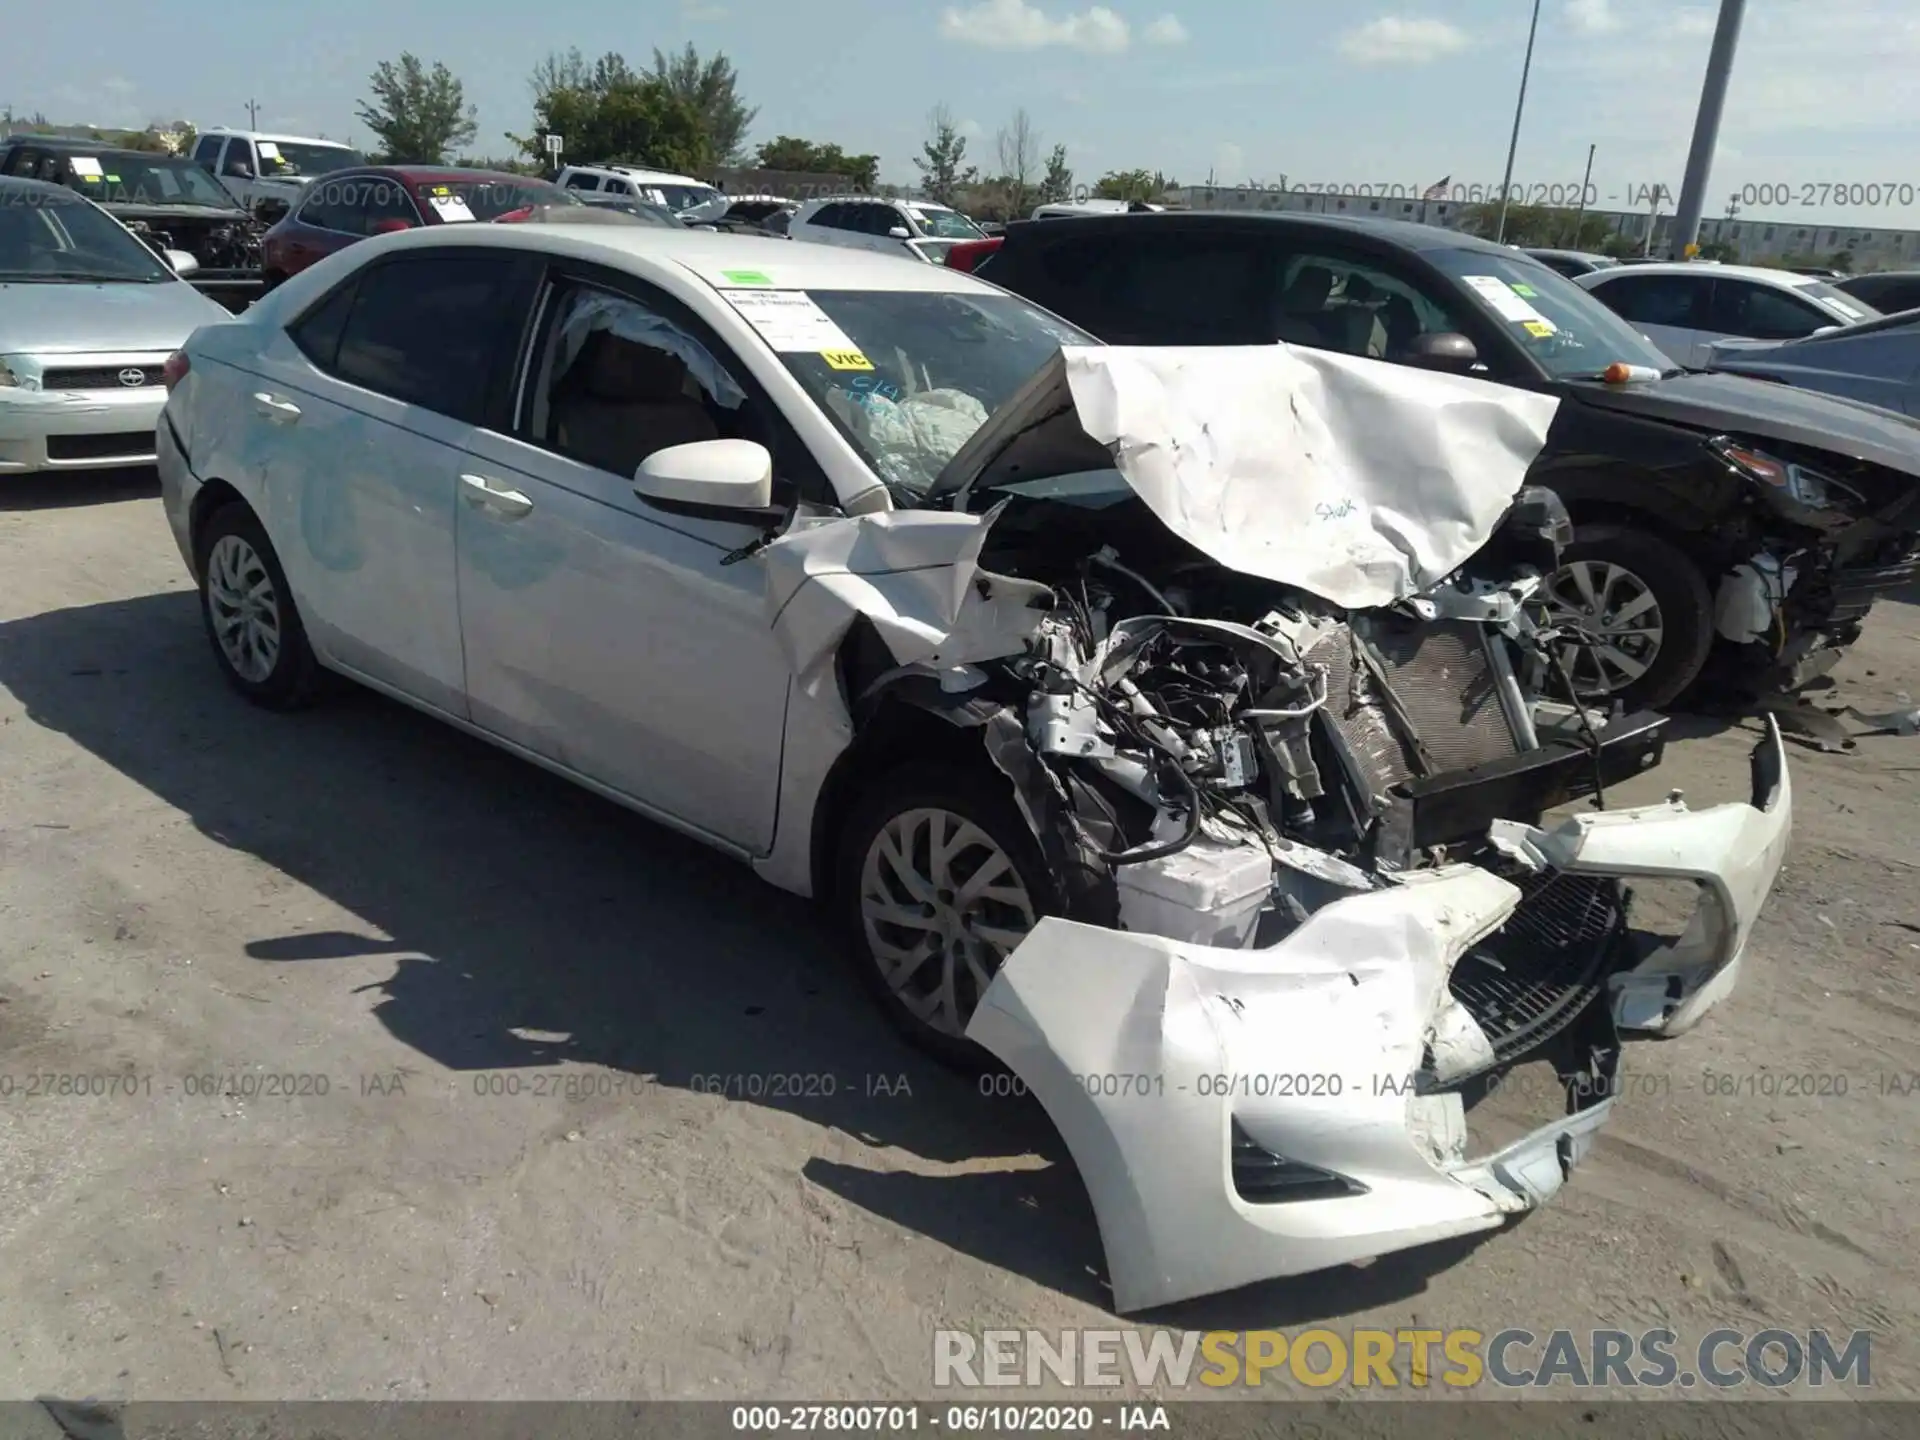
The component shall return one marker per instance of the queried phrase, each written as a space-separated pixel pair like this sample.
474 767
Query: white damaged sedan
1174 727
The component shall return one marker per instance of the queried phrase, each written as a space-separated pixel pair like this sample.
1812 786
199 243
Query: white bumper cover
1145 1052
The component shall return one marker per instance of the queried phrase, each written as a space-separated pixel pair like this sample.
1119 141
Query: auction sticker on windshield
791 323
746 277
1506 303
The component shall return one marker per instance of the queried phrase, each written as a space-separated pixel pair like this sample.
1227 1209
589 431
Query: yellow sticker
846 360
1539 329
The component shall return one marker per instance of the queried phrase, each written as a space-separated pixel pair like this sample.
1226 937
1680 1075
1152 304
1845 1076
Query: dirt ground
502 1006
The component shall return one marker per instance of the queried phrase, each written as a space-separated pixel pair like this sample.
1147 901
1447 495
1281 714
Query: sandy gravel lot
499 1003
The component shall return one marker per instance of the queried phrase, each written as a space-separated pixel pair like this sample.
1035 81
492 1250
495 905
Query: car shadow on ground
64 489
532 924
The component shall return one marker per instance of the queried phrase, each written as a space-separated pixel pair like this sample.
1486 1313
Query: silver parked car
1877 363
1138 713
88 317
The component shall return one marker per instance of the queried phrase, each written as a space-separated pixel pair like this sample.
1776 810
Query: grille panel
1535 976
96 377
130 445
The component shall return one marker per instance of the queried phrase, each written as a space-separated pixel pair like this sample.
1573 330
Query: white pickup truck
259 167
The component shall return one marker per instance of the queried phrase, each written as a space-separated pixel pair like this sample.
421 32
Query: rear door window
428 328
1160 290
1764 312
1682 302
1331 299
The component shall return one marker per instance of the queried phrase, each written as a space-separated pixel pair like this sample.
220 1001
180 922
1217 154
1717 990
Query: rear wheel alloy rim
244 608
1617 619
942 906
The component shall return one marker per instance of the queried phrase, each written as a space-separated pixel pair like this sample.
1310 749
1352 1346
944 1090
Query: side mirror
1826 329
898 232
1444 351
270 212
391 226
710 480
182 263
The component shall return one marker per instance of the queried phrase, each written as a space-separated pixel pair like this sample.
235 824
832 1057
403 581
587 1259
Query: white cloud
971 129
1016 25
1691 20
1167 30
1229 164
1592 17
1401 40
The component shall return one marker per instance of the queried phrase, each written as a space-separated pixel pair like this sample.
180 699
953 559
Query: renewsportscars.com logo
1365 1359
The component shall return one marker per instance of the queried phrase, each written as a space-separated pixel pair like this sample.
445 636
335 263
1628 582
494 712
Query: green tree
607 111
417 114
1057 184
1618 246
1132 185
789 152
713 89
941 157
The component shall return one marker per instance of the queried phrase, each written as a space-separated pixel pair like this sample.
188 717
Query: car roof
52 194
272 135
86 147
1881 275
435 174
640 172
1761 273
1564 254
1405 234
708 254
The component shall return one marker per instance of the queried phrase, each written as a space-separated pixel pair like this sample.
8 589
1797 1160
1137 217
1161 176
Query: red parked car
343 206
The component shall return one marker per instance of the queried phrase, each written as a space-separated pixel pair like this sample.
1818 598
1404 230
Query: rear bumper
44 430
1323 1056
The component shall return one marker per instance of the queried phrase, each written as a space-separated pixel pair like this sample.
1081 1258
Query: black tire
1685 604
293 679
981 796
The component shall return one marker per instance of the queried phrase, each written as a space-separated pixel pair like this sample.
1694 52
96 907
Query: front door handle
495 495
281 412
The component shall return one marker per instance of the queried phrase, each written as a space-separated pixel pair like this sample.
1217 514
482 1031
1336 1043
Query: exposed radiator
1445 683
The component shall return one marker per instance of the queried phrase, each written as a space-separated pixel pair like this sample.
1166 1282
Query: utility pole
1519 107
253 114
1586 184
1706 127
1733 210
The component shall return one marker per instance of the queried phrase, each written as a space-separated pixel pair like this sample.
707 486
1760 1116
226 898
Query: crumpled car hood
1360 482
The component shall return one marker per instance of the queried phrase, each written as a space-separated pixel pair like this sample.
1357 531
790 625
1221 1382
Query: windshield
462 200
65 239
944 224
148 180
680 198
907 376
299 157
1567 332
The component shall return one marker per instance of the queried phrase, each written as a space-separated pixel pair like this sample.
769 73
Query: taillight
515 217
175 369
969 253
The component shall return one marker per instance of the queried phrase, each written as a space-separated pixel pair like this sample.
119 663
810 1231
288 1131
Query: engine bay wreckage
1249 634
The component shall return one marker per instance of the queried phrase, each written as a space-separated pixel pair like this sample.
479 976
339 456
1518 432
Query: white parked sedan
1156 722
1685 307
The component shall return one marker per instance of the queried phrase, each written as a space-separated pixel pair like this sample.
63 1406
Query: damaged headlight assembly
1796 482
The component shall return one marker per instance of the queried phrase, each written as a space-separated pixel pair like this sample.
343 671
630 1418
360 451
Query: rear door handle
281 412
495 495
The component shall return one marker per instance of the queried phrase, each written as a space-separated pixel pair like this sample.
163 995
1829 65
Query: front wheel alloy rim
244 608
942 906
1615 624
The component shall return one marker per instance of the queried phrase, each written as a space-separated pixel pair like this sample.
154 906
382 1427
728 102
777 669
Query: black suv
169 201
1705 505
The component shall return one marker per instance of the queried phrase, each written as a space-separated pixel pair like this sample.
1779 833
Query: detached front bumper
1163 1064
1732 852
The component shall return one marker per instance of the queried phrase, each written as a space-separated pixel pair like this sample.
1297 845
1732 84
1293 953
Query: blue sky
1253 90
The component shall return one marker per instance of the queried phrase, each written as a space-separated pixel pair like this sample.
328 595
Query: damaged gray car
1171 727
